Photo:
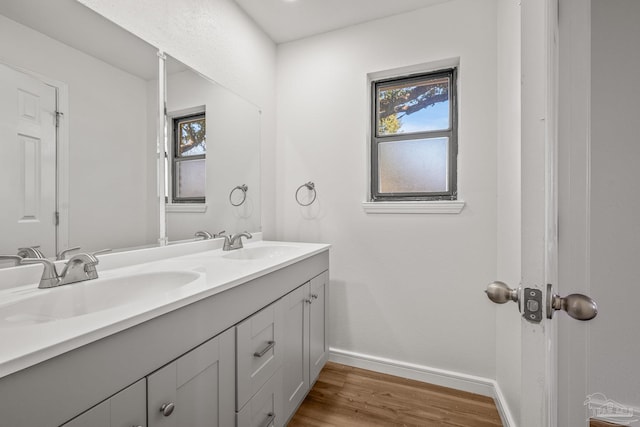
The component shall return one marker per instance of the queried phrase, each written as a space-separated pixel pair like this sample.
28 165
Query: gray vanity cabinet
318 324
306 339
266 338
125 409
196 390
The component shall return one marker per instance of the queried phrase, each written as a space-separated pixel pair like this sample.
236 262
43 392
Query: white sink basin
77 299
260 252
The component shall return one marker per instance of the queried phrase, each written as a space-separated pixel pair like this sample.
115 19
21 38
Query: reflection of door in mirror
28 162
107 86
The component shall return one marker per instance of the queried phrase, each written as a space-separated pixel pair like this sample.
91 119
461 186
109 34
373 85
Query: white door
27 162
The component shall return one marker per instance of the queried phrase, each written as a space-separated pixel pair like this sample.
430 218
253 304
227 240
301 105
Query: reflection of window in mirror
187 157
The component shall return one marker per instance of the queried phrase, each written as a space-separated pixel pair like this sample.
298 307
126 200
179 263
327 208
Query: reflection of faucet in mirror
235 241
31 252
63 254
203 235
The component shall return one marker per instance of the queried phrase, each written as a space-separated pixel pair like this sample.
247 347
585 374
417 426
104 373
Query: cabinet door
318 324
265 407
126 409
196 390
259 350
296 352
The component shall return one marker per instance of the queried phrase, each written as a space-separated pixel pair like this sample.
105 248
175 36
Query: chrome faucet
79 268
63 254
235 241
31 252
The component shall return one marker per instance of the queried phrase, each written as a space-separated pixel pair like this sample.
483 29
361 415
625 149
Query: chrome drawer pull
269 346
269 421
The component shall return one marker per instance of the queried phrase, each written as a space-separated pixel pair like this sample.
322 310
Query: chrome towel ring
311 187
242 188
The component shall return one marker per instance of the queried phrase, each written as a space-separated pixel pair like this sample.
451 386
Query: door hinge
58 117
56 218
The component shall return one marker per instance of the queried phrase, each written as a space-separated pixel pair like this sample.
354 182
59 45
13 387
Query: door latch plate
532 305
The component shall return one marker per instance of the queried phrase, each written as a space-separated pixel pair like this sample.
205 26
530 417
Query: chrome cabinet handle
578 306
167 409
269 346
314 296
270 418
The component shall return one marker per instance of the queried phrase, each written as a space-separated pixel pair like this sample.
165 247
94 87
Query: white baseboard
441 377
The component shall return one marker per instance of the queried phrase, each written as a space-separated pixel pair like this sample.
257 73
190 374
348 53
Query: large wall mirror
78 133
79 102
213 157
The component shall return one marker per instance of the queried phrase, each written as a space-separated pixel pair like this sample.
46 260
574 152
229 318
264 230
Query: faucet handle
220 234
101 251
63 254
31 252
15 258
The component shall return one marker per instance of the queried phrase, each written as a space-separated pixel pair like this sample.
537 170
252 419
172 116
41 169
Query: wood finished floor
350 397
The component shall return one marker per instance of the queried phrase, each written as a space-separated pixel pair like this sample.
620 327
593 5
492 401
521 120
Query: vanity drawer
265 407
259 351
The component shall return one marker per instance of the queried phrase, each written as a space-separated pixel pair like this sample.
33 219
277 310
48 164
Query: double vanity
182 335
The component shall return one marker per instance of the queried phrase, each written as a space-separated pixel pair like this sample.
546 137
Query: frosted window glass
190 178
415 166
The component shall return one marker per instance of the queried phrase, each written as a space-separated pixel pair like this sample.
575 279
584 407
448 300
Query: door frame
539 205
62 153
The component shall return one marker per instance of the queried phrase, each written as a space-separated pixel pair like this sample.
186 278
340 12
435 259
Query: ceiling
287 20
79 27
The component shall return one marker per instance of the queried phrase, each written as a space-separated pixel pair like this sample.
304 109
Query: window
414 137
189 151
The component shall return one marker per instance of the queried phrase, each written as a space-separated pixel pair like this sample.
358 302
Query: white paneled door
27 162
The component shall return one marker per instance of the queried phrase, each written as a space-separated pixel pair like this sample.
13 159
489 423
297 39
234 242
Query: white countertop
26 344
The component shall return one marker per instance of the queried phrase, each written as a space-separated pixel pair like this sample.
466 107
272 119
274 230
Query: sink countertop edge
29 354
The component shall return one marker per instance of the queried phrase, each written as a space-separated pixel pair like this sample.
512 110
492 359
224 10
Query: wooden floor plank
344 396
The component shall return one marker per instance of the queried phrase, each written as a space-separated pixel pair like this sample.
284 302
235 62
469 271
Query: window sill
423 207
186 207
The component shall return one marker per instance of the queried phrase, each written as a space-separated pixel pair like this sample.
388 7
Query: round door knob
500 292
578 306
167 409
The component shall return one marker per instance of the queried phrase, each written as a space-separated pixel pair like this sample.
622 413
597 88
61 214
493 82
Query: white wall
405 287
615 207
508 358
233 157
107 184
216 38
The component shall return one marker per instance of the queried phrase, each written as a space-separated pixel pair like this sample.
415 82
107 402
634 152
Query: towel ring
242 188
311 187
